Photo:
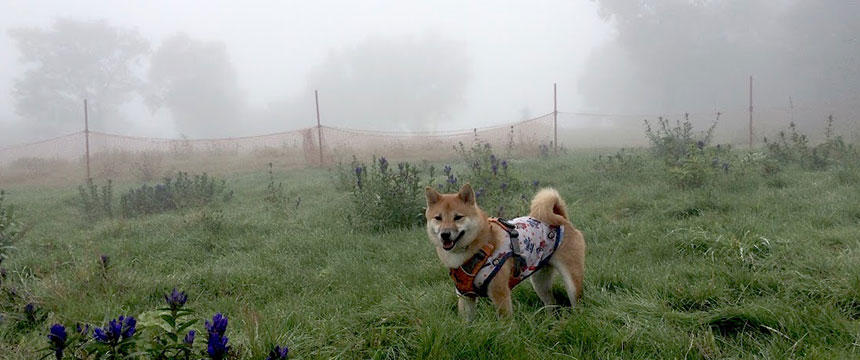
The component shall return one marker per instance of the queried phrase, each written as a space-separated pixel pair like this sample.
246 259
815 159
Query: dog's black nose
445 235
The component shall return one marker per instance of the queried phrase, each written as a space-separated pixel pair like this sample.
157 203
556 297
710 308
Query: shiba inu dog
488 257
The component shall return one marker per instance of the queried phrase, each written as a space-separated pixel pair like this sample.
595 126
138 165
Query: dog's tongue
447 244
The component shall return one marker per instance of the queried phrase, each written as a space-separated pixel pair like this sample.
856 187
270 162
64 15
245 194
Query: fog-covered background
217 69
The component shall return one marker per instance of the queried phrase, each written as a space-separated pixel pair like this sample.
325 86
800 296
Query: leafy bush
174 193
10 228
498 191
384 197
275 196
96 202
674 143
689 158
167 333
701 165
793 147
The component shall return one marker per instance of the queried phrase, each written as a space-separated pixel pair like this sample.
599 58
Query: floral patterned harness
531 243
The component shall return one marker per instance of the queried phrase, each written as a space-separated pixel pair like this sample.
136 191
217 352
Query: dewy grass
735 268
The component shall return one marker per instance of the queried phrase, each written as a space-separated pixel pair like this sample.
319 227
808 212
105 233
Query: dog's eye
438 217
457 217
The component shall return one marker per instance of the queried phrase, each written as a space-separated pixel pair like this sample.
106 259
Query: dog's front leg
500 293
466 306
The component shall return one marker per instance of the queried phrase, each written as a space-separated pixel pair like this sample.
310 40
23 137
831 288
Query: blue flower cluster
117 338
175 299
117 330
217 347
57 340
278 353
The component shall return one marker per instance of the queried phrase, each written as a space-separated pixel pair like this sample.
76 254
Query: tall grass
739 267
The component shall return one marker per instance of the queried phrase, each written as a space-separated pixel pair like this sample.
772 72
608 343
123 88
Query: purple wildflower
57 339
535 184
30 312
446 170
452 180
128 327
505 165
504 186
116 330
218 324
189 338
495 168
700 144
383 164
278 353
479 192
217 347
104 260
175 300
358 171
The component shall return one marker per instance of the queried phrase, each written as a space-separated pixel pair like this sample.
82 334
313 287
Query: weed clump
674 144
497 189
94 201
690 159
183 191
275 196
385 197
792 147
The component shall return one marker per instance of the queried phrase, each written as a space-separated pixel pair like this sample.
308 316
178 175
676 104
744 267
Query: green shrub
384 197
10 228
700 165
674 143
497 189
690 160
792 147
96 202
275 196
183 191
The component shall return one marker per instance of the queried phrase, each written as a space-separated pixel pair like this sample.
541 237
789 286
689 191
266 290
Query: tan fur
547 206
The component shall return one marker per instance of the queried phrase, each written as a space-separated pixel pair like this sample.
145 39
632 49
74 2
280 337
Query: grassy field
745 266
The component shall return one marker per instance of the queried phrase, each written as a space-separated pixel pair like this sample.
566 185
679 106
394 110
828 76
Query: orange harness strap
464 276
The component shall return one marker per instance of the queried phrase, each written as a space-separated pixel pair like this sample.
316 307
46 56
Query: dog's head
453 220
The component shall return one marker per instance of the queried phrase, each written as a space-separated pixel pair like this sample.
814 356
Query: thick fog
216 69
684 55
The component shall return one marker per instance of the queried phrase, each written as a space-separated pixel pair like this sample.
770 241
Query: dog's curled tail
548 206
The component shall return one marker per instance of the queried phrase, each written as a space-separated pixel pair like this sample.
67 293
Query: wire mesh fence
116 156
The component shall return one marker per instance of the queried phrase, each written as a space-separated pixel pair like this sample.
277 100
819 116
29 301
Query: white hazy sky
517 48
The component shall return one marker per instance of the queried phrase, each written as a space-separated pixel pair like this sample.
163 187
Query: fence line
302 146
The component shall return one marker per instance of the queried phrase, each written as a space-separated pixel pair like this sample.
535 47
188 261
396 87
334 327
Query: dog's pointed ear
466 194
432 195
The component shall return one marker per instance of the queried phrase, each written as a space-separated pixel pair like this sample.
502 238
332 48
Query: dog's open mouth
449 244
